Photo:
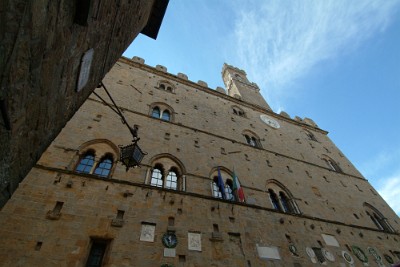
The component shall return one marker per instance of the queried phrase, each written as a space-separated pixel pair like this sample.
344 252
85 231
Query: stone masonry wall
203 134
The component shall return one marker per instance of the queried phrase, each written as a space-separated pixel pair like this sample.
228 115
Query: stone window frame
333 165
101 149
238 111
310 135
377 218
104 166
252 139
162 107
105 243
283 200
167 165
226 175
166 86
86 161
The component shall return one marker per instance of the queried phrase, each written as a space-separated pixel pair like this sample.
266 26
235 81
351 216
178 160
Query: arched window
283 201
378 219
274 200
286 205
216 192
161 111
103 168
252 140
331 164
156 112
228 190
157 176
166 116
172 180
166 86
238 111
310 135
101 165
86 162
167 173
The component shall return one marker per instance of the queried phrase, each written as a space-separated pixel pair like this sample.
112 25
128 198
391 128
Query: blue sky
336 62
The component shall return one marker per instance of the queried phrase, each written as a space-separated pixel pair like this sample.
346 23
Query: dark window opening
96 254
274 200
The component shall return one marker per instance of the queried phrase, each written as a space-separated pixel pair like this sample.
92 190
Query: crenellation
202 83
161 68
182 76
138 60
221 90
310 122
284 114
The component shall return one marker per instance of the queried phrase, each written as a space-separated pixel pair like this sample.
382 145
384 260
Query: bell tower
240 87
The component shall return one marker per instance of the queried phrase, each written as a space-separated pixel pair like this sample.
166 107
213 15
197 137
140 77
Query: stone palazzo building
226 182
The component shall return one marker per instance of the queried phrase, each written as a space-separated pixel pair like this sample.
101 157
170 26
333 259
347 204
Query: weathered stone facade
43 44
304 200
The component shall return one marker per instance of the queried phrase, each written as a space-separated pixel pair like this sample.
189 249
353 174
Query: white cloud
383 172
390 191
280 41
379 163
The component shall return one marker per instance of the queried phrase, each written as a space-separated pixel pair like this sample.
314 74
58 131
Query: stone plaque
194 241
330 240
84 72
169 252
268 253
147 233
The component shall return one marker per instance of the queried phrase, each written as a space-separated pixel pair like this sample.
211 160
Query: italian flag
237 188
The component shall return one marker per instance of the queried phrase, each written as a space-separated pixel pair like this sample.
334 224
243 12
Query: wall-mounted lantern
130 155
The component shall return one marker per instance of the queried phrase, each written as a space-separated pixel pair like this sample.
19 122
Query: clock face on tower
269 121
